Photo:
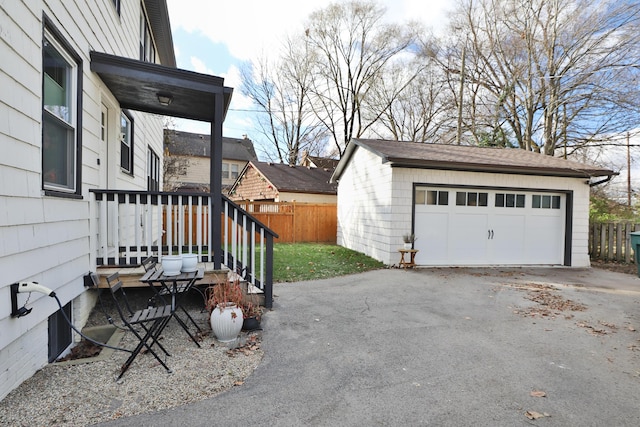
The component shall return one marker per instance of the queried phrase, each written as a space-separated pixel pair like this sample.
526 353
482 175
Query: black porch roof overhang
137 85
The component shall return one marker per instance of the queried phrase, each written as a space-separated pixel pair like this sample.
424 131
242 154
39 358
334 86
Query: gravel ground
87 393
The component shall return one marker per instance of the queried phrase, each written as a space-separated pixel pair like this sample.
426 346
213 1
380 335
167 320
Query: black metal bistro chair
151 321
151 263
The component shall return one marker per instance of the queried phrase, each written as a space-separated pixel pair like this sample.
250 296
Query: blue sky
216 37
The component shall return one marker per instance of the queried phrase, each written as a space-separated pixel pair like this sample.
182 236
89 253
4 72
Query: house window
147 49
545 202
509 200
60 115
464 198
225 170
126 143
153 171
234 172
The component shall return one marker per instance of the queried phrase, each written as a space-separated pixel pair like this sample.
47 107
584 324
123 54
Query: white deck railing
132 225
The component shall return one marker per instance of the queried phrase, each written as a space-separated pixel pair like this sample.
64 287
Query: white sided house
85 87
466 205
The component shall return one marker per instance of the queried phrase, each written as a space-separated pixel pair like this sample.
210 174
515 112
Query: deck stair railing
132 225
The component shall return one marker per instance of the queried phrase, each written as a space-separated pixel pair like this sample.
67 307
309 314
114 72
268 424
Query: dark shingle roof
297 179
323 162
195 144
470 158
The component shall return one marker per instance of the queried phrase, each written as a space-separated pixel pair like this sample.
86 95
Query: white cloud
250 27
199 66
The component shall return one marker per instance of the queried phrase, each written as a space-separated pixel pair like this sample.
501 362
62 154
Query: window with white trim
471 198
60 145
147 49
153 171
510 200
126 143
431 197
539 201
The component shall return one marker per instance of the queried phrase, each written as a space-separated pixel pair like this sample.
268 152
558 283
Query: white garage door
461 226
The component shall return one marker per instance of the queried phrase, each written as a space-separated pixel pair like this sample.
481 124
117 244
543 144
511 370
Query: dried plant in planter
224 295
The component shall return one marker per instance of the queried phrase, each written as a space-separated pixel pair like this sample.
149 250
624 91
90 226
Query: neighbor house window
147 49
153 171
225 170
234 172
126 143
60 115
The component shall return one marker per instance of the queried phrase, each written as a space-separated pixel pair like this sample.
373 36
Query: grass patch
294 262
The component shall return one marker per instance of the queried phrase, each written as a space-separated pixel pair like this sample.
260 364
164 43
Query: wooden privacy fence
293 222
610 241
296 222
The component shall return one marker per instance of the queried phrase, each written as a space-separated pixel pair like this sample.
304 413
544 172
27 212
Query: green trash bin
635 245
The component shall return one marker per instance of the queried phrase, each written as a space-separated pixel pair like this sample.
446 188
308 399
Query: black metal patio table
175 286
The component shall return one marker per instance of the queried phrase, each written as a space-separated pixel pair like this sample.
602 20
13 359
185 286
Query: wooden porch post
215 181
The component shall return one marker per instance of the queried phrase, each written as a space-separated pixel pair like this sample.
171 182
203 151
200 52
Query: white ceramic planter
171 265
189 263
226 324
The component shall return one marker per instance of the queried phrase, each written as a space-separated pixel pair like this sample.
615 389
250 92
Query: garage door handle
490 234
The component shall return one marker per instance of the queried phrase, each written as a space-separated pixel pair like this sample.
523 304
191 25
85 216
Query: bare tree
280 88
547 74
351 45
415 102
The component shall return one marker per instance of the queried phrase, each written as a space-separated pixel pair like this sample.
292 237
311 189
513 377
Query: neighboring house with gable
85 88
277 182
466 205
187 160
318 162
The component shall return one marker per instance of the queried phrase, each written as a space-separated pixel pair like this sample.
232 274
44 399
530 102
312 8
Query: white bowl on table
171 265
189 263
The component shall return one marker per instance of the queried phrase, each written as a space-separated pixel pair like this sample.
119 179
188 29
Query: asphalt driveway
442 347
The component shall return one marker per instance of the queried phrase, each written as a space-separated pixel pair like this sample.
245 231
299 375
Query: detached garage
466 205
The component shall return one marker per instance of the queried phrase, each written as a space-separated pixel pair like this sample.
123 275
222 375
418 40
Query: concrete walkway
441 347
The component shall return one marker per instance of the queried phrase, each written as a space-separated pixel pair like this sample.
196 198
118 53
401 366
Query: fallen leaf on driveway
538 393
533 415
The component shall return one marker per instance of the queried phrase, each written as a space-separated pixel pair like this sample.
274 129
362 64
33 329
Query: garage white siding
366 212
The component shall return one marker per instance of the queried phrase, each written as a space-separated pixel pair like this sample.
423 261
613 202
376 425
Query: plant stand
412 258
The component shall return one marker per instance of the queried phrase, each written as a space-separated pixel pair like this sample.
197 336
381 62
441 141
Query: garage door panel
510 227
432 242
469 237
544 243
507 238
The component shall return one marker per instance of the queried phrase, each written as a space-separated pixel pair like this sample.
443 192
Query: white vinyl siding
36 224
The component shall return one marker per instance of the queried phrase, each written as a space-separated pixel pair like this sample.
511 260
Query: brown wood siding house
263 181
